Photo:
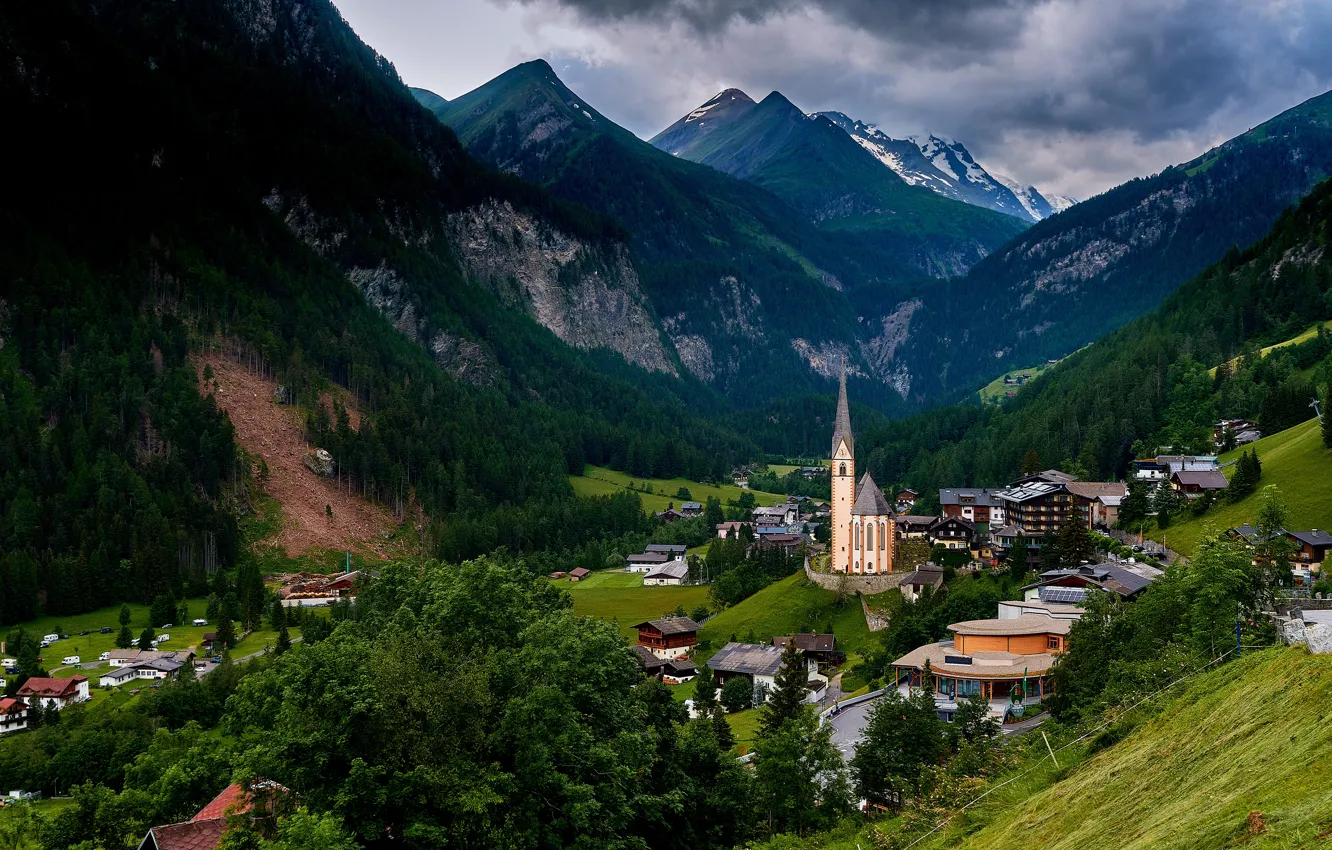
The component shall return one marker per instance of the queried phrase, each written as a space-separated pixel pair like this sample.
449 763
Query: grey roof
670 625
807 642
647 660
675 569
750 658
654 557
1116 577
916 519
980 496
842 427
1064 595
129 671
1033 490
921 577
1094 490
870 500
1316 537
1208 479
666 547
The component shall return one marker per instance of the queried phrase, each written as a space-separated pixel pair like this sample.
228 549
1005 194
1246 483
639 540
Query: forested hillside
1145 386
251 177
1084 272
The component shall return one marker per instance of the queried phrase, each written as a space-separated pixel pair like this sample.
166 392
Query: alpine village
380 469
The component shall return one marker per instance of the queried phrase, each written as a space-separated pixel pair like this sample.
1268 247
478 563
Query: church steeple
842 428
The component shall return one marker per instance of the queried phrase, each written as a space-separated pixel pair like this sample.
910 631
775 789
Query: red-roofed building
204 830
62 693
13 715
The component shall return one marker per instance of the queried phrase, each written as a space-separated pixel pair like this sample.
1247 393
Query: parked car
44 644
8 662
168 625
217 659
13 671
64 637
72 659
84 632
106 630
105 656
163 638
199 622
50 639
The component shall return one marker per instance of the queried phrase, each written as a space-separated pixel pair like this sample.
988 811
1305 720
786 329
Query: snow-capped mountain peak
945 166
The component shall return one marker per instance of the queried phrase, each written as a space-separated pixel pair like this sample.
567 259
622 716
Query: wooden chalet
669 637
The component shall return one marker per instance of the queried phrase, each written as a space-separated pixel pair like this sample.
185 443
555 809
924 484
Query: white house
62 693
675 572
759 663
13 715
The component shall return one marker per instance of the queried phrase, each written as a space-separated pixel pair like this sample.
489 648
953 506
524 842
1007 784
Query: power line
1079 739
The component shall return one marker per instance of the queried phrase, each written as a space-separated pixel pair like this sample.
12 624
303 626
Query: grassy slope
1296 462
994 390
603 481
791 605
1308 334
1249 737
623 598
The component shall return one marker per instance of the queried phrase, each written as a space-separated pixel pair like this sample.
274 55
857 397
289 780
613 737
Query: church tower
843 482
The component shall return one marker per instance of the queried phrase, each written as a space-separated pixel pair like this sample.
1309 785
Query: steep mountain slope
723 261
1077 275
272 190
428 99
810 162
1148 383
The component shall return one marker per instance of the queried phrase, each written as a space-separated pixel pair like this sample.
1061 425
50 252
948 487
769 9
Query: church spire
842 429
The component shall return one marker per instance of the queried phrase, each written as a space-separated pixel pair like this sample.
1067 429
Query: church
863 523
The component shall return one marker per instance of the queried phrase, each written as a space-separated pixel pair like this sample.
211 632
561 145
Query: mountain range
756 282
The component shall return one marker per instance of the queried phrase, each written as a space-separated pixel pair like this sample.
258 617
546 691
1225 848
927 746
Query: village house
1003 661
759 663
782 515
579 573
953 532
127 657
670 515
62 693
1046 476
1311 547
311 589
672 671
1150 471
1035 508
928 574
1098 501
1070 586
158 668
1242 431
821 649
905 500
976 504
13 715
674 550
646 562
728 530
914 526
671 573
691 509
669 637
789 543
1192 484
1188 463
204 831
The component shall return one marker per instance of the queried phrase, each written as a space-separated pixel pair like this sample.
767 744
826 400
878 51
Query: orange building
1003 661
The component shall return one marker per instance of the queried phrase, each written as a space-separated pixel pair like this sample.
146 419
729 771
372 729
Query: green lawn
781 470
602 481
89 647
45 809
744 727
994 390
793 604
621 597
1296 462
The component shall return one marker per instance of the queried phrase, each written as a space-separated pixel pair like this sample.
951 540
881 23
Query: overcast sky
1074 96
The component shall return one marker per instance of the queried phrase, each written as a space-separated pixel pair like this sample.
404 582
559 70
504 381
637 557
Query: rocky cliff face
587 296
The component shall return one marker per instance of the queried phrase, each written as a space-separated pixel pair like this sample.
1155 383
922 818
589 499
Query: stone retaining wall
867 585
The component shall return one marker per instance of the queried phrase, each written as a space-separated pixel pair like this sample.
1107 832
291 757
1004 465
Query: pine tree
125 639
705 692
1031 462
1017 557
1075 543
1049 554
788 698
283 640
146 639
125 615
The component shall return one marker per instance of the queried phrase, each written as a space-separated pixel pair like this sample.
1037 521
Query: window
869 537
968 688
1052 642
843 470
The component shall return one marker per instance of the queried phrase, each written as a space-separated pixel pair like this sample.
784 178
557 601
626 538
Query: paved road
847 726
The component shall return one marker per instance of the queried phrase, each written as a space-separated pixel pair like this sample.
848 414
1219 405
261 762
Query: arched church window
843 472
869 532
